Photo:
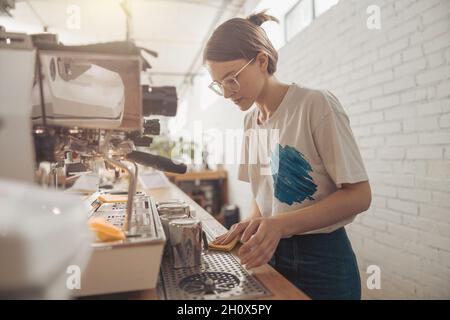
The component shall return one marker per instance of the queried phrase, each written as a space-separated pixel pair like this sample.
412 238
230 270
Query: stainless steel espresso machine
64 111
68 110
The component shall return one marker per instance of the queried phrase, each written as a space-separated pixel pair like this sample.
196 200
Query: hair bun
261 17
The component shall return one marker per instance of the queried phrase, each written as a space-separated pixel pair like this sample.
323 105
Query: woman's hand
235 231
260 237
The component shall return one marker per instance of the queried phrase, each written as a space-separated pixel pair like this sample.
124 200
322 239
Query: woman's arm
262 235
346 202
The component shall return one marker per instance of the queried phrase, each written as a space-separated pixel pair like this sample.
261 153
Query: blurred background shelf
209 188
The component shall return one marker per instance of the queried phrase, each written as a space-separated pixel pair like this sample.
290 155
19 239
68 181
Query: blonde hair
240 38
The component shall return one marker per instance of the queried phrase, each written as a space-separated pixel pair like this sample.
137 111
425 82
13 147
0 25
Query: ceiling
176 29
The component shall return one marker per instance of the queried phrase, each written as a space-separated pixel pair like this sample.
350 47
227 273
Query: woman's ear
262 59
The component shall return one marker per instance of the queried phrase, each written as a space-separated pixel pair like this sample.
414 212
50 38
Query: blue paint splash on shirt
290 172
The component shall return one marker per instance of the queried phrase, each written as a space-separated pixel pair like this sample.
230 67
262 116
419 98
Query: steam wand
132 184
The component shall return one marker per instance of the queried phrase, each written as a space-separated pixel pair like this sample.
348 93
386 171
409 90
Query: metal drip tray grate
219 277
209 283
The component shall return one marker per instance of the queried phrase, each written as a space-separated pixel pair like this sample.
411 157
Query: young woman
317 182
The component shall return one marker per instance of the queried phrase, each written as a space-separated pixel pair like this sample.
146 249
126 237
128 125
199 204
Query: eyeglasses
230 83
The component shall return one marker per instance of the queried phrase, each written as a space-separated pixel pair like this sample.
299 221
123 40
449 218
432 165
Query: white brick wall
395 85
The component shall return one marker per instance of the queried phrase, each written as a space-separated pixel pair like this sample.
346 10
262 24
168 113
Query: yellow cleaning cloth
224 247
105 231
109 198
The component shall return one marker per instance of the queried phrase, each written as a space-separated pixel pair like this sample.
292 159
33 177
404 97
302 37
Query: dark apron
322 265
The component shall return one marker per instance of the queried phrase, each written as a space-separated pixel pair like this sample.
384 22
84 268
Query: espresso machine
78 109
81 106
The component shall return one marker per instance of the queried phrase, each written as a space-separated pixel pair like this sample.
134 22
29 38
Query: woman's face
251 79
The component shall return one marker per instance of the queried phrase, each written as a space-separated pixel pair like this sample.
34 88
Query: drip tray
219 277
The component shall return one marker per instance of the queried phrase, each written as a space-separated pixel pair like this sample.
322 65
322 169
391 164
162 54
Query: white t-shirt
301 154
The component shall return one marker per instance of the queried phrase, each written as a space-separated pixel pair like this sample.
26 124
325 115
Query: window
298 18
276 8
320 6
303 13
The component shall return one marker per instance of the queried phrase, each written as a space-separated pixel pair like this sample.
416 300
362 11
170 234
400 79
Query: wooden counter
279 286
198 175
